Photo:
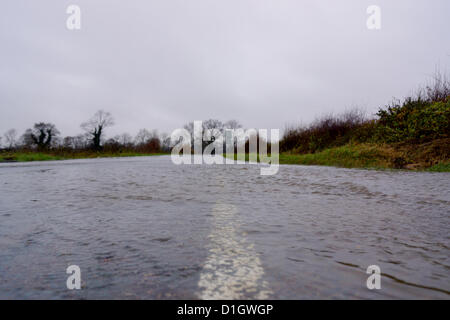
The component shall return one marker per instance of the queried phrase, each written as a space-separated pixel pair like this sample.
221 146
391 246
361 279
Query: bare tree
232 124
166 143
10 138
439 89
69 142
96 126
216 129
43 135
80 141
125 139
144 135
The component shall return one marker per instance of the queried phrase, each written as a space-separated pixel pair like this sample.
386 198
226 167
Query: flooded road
143 228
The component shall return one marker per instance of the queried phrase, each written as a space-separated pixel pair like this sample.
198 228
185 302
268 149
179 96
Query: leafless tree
144 135
232 124
125 139
69 142
166 142
81 141
96 126
10 138
217 128
439 89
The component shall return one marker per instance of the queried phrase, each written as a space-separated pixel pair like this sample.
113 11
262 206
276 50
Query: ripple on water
145 228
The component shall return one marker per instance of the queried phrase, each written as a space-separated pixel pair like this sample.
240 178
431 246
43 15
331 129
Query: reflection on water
145 228
233 269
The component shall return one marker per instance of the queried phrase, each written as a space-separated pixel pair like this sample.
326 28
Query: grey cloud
160 64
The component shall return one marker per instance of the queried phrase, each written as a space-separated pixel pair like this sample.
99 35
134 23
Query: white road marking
233 269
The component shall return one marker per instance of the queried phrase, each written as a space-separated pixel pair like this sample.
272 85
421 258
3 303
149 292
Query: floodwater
144 228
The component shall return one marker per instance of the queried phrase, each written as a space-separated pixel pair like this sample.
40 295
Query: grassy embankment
369 156
378 156
413 134
23 156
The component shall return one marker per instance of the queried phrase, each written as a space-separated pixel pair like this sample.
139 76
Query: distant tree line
45 136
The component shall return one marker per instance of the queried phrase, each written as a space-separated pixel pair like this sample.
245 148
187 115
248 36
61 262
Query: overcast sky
160 64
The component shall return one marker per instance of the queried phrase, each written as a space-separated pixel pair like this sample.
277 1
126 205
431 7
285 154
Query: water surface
143 228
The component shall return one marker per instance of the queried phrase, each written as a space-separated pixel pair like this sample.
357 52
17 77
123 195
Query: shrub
416 120
328 131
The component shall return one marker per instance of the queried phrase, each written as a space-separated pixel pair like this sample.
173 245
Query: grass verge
440 167
369 156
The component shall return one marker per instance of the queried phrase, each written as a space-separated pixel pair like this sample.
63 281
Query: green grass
348 156
22 157
28 156
369 156
40 156
440 167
